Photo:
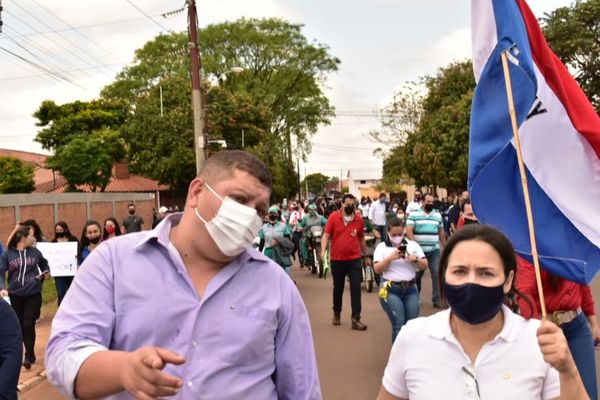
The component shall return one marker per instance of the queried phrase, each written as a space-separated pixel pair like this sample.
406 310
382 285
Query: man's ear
197 185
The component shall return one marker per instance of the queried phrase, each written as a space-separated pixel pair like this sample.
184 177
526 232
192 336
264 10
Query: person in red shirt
569 305
345 228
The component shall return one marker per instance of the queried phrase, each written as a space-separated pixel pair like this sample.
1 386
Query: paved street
351 363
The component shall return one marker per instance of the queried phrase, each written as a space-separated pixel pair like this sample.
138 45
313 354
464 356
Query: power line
116 22
41 68
43 50
77 30
60 71
58 42
146 15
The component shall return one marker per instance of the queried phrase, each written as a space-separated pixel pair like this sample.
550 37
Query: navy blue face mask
473 303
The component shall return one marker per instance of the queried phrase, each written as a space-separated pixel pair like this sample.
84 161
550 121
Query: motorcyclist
311 219
275 233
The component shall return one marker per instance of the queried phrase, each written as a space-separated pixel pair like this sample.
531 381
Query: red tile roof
134 183
48 182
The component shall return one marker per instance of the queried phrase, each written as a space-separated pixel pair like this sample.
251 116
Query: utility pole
196 97
299 185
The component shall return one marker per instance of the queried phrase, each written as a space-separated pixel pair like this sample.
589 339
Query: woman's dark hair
37 231
501 245
393 222
84 241
67 231
21 232
117 228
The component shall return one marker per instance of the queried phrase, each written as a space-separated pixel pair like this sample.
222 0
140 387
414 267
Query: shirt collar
439 327
162 235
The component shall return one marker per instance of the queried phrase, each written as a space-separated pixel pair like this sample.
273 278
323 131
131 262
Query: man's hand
3 293
368 261
273 242
555 348
142 377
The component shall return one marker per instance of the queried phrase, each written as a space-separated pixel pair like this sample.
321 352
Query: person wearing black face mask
426 227
274 233
416 204
345 228
479 337
133 222
90 238
62 283
467 216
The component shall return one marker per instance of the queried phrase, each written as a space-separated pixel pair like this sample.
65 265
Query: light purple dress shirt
248 337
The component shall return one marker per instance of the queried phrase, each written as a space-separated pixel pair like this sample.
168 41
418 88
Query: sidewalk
36 374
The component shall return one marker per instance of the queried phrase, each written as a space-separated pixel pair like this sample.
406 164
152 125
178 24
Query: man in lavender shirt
188 309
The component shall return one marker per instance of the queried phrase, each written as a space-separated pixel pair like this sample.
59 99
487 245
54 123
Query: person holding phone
398 259
25 267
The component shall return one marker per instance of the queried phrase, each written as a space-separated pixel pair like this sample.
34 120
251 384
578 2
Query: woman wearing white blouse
398 259
479 348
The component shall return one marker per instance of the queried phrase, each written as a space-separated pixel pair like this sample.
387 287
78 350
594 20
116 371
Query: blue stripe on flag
494 179
562 248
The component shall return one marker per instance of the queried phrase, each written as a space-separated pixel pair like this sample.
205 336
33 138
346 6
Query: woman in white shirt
398 259
479 348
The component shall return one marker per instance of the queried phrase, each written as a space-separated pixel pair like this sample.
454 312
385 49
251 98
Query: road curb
31 382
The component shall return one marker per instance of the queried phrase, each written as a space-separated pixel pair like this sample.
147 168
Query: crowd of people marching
484 343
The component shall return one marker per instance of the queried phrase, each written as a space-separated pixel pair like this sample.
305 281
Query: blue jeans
579 337
433 264
402 305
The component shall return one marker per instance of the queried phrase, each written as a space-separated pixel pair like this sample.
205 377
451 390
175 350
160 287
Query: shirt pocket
247 335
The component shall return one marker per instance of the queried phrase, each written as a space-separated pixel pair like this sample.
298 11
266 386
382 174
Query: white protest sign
61 256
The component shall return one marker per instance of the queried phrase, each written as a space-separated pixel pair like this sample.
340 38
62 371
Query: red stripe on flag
581 112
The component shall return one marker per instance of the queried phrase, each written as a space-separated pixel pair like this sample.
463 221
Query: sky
382 44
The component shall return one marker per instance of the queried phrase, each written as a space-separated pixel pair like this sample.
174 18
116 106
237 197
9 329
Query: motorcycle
368 273
314 236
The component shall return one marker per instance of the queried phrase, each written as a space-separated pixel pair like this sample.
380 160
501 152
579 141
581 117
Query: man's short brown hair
224 163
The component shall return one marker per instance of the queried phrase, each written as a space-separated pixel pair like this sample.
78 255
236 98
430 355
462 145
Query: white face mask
234 227
396 240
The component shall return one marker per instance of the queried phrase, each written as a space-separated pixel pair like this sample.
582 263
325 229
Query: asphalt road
350 363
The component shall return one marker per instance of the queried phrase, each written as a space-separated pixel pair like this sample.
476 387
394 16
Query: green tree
316 183
62 123
276 100
436 151
16 177
573 32
399 119
87 160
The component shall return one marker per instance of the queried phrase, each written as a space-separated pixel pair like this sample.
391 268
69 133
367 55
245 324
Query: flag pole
515 128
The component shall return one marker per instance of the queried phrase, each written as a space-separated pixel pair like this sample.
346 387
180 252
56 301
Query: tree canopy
276 99
84 137
316 183
573 33
436 152
16 177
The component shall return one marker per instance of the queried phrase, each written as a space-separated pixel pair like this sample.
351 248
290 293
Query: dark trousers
339 270
63 283
296 239
28 310
382 231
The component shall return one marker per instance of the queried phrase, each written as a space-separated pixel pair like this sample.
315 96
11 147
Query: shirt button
190 384
194 343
